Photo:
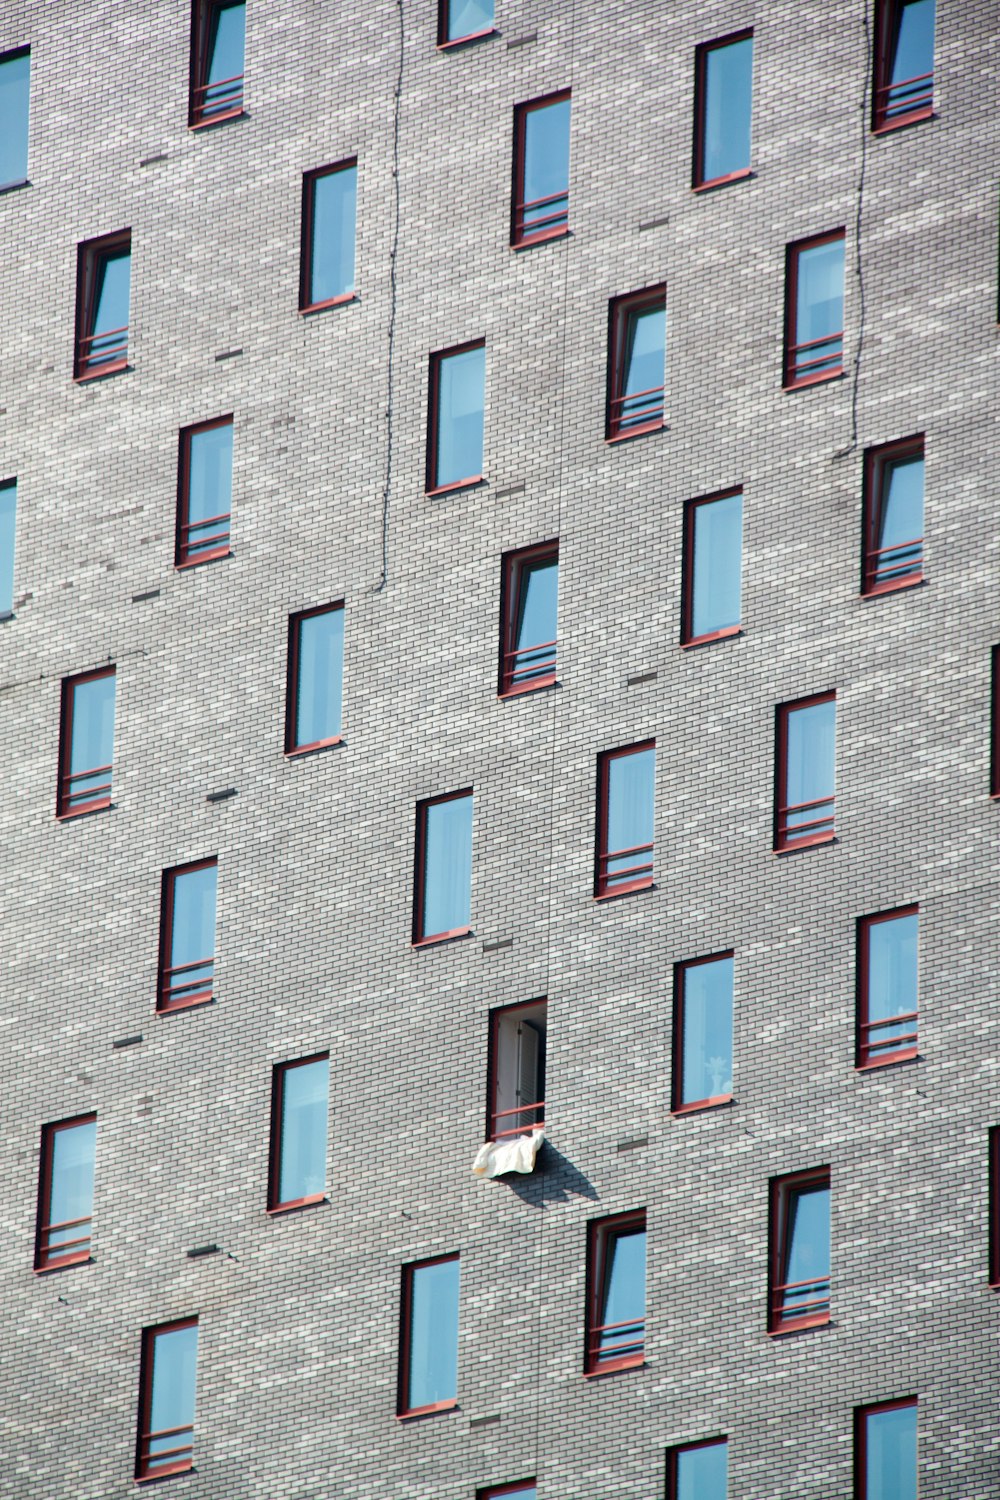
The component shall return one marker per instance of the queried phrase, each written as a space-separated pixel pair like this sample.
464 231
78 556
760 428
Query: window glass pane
892 974
546 164
447 866
320 677
702 1473
72 1195
718 550
901 514
630 806
333 228
465 17
303 1130
820 305
225 51
93 733
728 73
193 932
891 1469
8 516
913 55
461 396
433 1372
622 1309
175 1352
14 76
708 1030
111 292
536 604
210 474
810 761
523 1492
645 345
807 1248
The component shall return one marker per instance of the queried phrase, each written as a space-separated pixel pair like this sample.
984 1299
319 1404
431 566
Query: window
894 516
994 719
65 1193
713 556
166 1399
528 606
887 987
540 207
523 1490
298 1133
698 1471
204 492
428 1352
86 743
463 20
516 1070
103 283
187 935
315 678
15 70
885 1451
722 101
329 210
636 363
455 430
217 41
814 310
443 886
904 63
994 1205
804 780
800 1251
616 1293
703 1032
625 820
8 518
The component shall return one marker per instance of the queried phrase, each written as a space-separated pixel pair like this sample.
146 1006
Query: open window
103 286
329 213
299 1092
616 1293
86 743
799 1292
428 1345
540 207
218 35
703 1033
637 334
722 107
442 905
528 612
887 987
516 1070
204 492
804 783
15 77
885 1450
904 63
167 1378
698 1471
65 1193
894 517
187 936
455 417
814 310
625 784
713 565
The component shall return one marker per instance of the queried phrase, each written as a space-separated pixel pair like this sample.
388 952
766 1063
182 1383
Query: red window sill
712 635
426 1411
80 1258
99 805
298 750
342 301
630 1362
794 1325
624 890
220 119
527 687
184 1467
115 368
914 118
791 846
195 562
456 484
623 437
440 937
463 41
906 1054
294 1203
192 1003
697 1105
539 239
892 587
716 182
820 379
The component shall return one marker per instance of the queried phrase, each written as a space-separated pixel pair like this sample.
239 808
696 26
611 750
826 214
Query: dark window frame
699 182
143 1436
537 676
497 1015
403 1408
599 1233
993 1148
166 1003
276 1205
202 12
292 680
12 55
921 103
602 854
443 42
995 721
43 1260
437 359
693 1106
781 1190
420 939
497 1491
216 547
792 378
863 1047
691 507
520 238
98 797
877 465
620 312
90 257
785 840
677 1449
309 180
861 1415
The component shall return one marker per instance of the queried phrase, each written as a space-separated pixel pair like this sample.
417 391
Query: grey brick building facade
299 1314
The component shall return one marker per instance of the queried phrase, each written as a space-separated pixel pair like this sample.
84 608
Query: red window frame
878 577
995 722
869 1053
166 990
496 1492
786 839
782 1189
699 181
889 114
599 1233
292 684
436 360
309 180
276 1205
688 638
494 1117
620 312
420 938
674 1453
90 256
994 1204
96 797
558 222
603 889
80 1251
142 1458
515 679
403 1408
188 554
794 378
443 42
677 1081
861 1415
202 12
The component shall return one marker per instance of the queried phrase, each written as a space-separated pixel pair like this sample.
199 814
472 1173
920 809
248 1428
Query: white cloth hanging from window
495 1158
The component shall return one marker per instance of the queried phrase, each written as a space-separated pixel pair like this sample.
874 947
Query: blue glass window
617 1275
805 784
187 961
625 820
699 1472
887 990
541 196
703 1032
66 1200
430 1333
104 277
464 18
299 1141
815 338
904 81
889 1463
316 676
15 70
638 363
894 516
88 734
444 867
217 85
531 589
511 1492
166 1424
328 231
713 568
206 492
8 520
724 80
458 395
800 1278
